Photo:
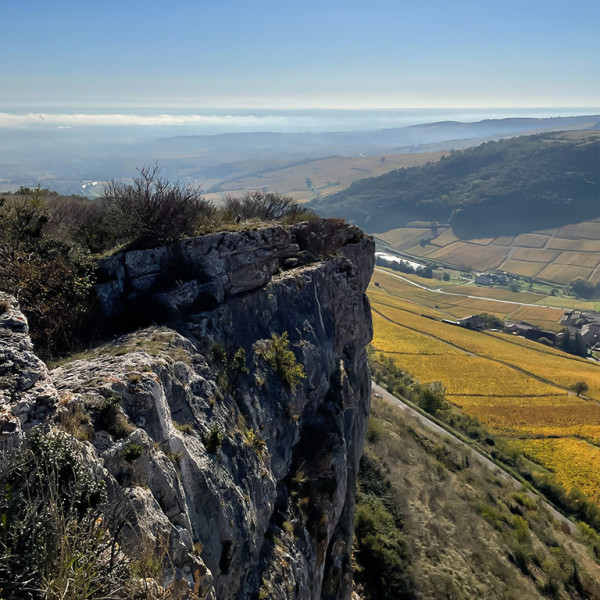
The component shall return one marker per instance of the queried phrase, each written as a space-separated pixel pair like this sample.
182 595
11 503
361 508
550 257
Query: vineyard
518 388
555 255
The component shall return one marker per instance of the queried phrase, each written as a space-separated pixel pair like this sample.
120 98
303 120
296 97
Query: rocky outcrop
27 395
223 457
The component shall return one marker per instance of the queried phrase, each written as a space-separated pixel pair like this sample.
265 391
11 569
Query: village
580 334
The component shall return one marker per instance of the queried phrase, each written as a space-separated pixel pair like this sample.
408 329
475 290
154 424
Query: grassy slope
464 532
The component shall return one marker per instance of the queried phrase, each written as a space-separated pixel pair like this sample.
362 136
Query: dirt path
429 424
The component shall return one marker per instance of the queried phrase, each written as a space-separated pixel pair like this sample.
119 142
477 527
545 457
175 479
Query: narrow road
441 291
423 420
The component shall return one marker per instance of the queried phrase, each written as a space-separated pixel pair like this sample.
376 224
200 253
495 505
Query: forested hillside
499 188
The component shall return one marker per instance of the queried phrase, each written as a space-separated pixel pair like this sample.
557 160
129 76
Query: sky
285 54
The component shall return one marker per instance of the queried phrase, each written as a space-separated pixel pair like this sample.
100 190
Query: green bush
213 440
185 428
230 366
49 245
382 554
283 360
254 440
112 419
374 430
132 452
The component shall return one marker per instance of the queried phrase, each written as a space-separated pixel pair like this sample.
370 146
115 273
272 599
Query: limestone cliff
243 475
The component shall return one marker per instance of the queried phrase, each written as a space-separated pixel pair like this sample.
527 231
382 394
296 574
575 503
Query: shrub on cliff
153 208
49 244
52 540
51 277
283 360
263 206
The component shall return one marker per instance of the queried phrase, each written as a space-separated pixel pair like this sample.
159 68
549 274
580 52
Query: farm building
471 322
531 332
483 279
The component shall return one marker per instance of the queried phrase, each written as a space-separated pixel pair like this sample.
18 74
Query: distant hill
498 188
66 159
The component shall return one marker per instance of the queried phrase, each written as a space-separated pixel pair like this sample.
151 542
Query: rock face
27 395
242 474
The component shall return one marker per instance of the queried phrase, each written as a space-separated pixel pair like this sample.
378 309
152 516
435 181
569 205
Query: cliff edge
229 434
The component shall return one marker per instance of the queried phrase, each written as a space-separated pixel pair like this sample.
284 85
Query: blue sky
288 54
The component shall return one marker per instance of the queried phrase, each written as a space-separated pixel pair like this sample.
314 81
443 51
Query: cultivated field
451 307
555 255
310 179
575 462
516 387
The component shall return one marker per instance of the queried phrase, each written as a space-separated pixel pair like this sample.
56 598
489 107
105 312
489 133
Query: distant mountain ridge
425 133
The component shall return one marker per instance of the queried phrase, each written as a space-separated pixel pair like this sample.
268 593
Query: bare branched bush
153 208
262 206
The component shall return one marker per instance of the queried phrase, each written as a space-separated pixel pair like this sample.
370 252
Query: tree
584 289
580 387
432 397
266 206
580 287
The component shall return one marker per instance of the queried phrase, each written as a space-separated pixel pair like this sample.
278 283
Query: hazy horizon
230 120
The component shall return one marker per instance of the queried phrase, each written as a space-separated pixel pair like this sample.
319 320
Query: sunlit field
518 388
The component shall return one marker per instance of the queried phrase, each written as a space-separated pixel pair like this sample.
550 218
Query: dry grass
421 251
403 238
504 240
564 302
575 245
459 520
445 238
529 313
500 294
534 255
588 230
328 175
574 252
